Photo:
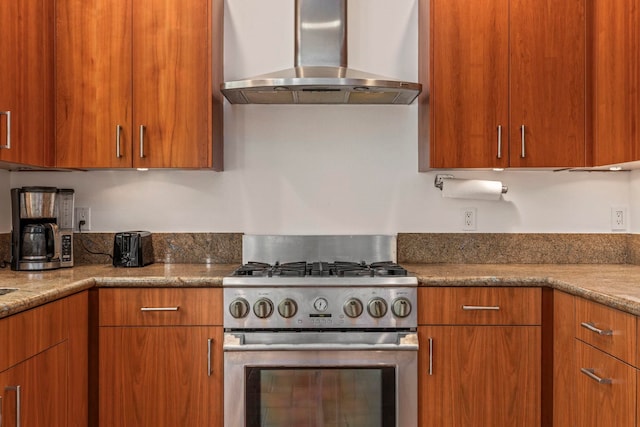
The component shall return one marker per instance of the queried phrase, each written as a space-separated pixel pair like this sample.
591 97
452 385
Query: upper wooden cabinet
615 83
26 89
507 84
137 84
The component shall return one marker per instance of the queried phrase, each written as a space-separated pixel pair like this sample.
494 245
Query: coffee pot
42 235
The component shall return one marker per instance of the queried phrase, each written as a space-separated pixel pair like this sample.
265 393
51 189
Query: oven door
321 379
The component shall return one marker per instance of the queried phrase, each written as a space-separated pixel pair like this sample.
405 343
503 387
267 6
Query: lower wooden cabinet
606 389
160 358
34 392
480 357
479 376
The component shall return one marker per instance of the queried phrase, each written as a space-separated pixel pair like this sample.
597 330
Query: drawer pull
209 365
590 326
430 356
159 308
18 402
590 372
480 307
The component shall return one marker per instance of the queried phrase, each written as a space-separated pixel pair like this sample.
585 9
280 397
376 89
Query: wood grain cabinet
615 81
160 357
507 84
26 89
43 365
137 83
480 357
606 376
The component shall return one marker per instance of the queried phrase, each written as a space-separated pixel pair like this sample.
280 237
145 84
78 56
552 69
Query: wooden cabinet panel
564 359
159 376
503 64
599 404
480 376
43 390
94 91
44 326
618 336
615 81
26 67
172 83
547 65
144 73
78 360
469 96
193 306
479 306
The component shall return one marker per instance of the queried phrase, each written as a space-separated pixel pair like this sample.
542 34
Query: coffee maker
42 234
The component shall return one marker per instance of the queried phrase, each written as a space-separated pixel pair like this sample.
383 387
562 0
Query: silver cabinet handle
499 141
523 153
430 356
480 307
8 114
118 132
590 326
209 366
18 403
142 127
590 372
159 308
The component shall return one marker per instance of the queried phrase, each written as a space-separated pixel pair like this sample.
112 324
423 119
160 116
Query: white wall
327 169
5 209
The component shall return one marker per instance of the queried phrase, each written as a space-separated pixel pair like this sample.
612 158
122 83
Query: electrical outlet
83 214
618 218
469 219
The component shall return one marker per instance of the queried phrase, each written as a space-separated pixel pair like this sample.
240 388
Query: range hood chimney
320 74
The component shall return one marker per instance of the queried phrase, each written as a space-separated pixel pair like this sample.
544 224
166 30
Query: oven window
320 397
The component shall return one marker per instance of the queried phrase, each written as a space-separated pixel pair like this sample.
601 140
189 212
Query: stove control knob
401 307
377 307
352 308
239 308
263 308
287 308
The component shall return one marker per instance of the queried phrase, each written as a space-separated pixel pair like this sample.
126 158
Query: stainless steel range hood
320 75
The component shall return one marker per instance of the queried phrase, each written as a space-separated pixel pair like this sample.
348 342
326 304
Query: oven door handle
237 342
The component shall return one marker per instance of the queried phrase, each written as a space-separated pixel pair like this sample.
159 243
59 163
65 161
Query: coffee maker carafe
42 235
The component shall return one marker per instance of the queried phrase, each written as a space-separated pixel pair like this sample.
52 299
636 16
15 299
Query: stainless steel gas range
320 331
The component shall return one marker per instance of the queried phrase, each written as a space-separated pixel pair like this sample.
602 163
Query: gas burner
321 269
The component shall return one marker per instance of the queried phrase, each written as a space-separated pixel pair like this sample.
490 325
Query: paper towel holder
441 177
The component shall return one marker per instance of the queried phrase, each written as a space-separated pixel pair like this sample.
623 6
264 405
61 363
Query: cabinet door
42 382
547 65
160 376
93 84
26 87
470 83
616 81
479 376
604 404
172 85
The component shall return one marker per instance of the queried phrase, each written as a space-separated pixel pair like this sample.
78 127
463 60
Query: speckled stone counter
37 288
615 285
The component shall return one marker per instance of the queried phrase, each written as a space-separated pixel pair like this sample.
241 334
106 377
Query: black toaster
132 249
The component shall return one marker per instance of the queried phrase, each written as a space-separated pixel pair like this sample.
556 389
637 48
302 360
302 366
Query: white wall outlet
619 218
469 218
82 214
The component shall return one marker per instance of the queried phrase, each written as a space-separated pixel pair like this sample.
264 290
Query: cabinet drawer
606 389
608 329
479 306
32 331
160 306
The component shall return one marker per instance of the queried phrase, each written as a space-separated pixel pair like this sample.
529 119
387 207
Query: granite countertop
615 285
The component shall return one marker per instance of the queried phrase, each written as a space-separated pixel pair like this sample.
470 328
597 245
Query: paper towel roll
471 189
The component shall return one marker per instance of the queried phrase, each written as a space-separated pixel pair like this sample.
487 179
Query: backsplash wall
328 169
